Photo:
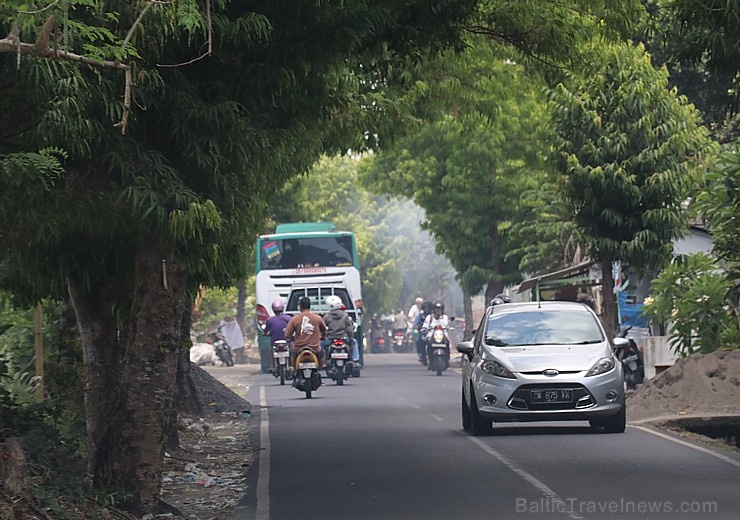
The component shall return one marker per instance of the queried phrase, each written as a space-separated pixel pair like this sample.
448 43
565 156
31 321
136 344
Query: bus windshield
291 253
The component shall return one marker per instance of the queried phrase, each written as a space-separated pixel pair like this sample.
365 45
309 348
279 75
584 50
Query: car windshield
542 327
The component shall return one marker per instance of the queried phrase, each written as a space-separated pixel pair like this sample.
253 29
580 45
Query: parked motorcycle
631 358
438 350
306 372
223 350
338 364
281 353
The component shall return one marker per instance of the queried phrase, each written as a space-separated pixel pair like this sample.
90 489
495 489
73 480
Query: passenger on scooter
306 329
275 326
339 326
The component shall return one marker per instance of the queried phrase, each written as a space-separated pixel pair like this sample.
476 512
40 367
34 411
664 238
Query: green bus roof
304 227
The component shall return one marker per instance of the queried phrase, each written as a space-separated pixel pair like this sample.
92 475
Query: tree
389 238
468 164
629 152
698 295
133 224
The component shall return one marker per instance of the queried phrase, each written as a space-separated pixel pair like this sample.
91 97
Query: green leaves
629 152
698 303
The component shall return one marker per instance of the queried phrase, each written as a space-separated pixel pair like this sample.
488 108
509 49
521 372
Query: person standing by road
306 329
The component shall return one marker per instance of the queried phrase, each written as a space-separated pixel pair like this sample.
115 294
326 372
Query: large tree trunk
102 357
128 436
609 316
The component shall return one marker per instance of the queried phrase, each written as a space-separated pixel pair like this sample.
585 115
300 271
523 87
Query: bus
309 259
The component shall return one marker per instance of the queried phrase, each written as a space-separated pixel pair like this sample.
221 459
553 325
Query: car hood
541 357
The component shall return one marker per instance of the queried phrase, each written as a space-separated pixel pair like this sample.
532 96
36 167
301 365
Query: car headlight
602 366
495 368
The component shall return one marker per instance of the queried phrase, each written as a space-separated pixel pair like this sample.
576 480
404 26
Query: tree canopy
629 152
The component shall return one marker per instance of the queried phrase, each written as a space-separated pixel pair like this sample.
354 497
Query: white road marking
719 456
437 417
263 478
528 477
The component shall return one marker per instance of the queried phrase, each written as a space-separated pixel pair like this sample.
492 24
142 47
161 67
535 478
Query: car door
467 364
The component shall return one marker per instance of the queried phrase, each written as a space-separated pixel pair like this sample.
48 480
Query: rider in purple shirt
275 326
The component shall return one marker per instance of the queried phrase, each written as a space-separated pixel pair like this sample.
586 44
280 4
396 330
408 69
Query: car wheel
479 425
615 424
467 426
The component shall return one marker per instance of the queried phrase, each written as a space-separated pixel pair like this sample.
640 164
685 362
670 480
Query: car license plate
554 395
306 365
339 355
281 354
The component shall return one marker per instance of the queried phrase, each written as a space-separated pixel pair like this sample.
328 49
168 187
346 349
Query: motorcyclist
340 326
503 297
400 324
306 329
436 318
275 326
426 310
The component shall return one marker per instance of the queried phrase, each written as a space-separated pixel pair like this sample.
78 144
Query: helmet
278 306
497 301
505 298
334 302
426 307
438 307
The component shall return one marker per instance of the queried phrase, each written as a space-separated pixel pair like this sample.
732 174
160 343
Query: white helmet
334 302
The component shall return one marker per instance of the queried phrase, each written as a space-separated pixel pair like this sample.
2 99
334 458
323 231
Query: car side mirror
620 343
465 347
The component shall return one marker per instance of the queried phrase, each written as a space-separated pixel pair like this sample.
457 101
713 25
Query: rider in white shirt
437 317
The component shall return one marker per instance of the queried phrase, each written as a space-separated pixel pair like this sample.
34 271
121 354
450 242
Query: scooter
280 352
438 350
306 372
631 358
223 351
378 346
338 365
399 341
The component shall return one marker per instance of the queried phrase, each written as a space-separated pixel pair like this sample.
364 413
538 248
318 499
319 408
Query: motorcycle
338 365
223 351
281 353
399 341
306 376
378 345
631 359
438 350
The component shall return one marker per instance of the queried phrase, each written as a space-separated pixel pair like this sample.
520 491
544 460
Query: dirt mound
701 385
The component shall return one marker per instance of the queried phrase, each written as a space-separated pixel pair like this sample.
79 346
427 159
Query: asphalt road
390 445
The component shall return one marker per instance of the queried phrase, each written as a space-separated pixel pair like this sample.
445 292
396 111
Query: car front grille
521 398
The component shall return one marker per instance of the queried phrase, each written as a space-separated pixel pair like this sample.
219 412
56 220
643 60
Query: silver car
541 361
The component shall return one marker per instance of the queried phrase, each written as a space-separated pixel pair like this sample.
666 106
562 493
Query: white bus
310 259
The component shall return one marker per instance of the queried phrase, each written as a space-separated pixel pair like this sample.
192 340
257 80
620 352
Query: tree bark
241 304
468 310
609 317
128 417
102 358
